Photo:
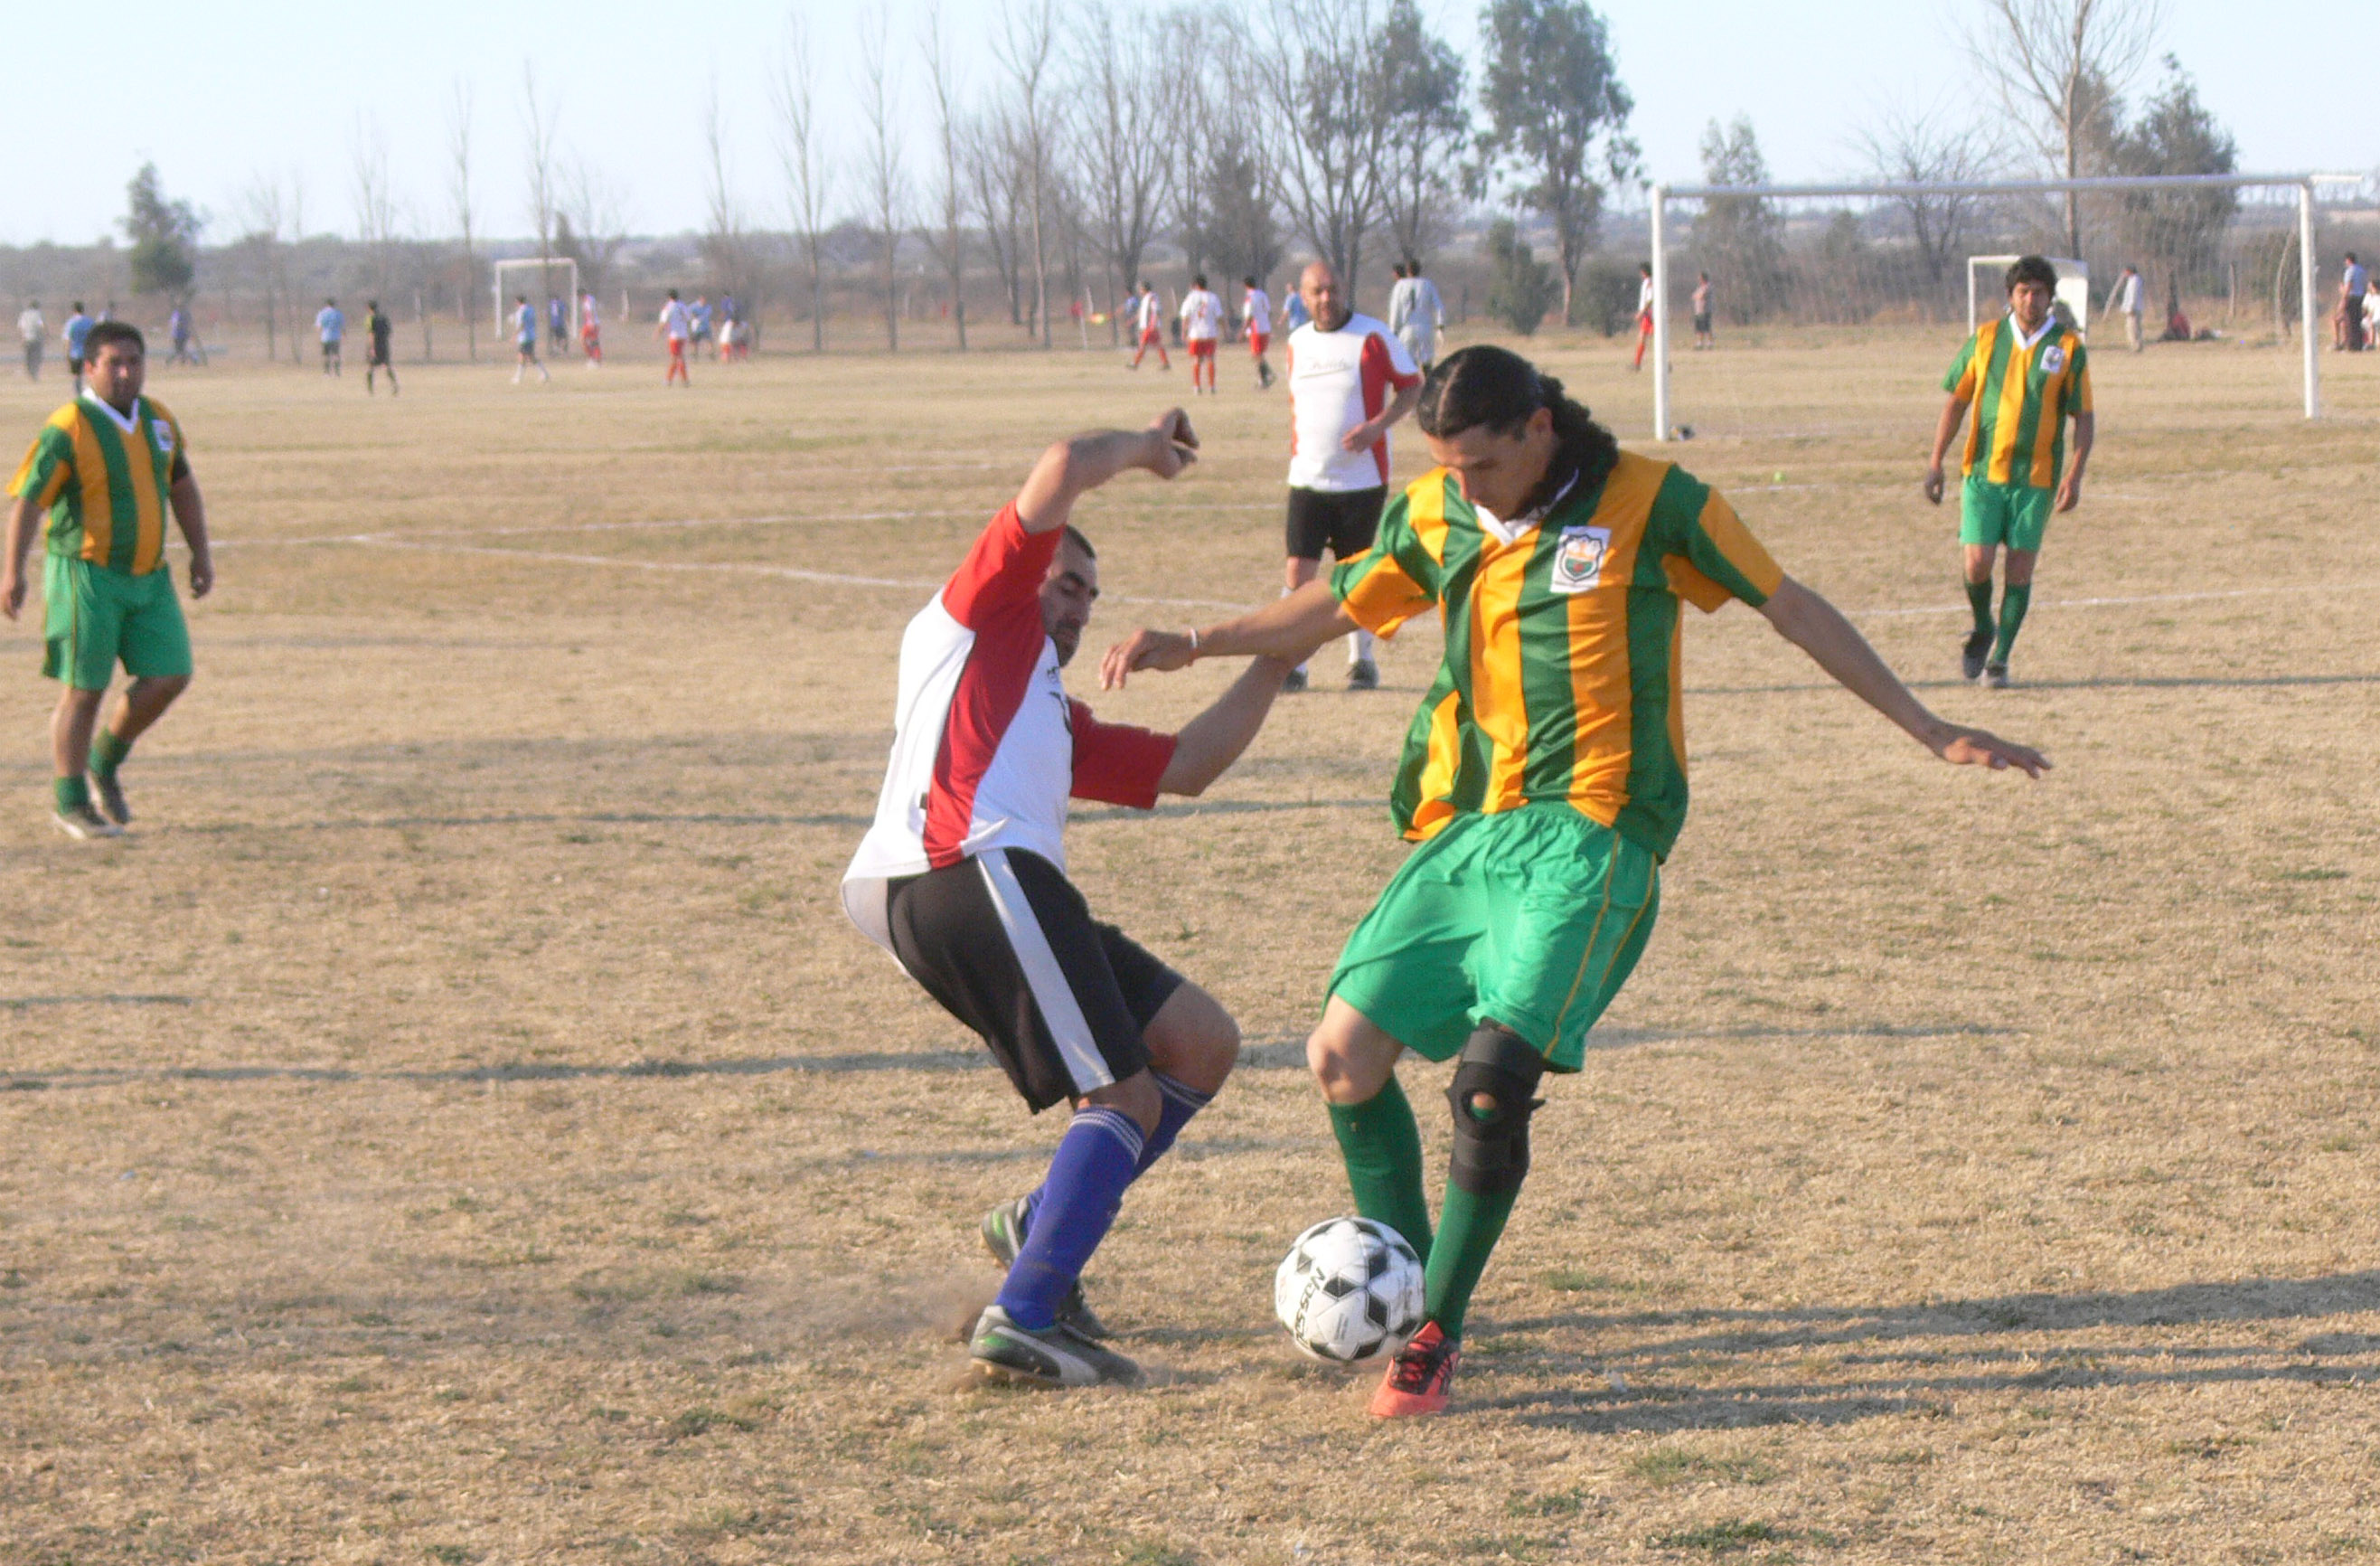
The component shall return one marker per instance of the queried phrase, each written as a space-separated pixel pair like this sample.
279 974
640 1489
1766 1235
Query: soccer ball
1349 1288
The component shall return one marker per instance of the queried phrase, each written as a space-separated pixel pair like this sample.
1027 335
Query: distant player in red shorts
1150 318
591 330
1202 328
1644 311
1255 320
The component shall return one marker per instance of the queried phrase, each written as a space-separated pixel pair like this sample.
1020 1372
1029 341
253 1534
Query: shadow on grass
1629 1389
2138 681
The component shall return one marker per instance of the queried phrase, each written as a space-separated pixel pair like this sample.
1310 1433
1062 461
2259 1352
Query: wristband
1193 643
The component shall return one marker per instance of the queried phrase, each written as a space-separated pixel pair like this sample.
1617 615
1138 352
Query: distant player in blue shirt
701 315
78 328
525 339
557 325
334 328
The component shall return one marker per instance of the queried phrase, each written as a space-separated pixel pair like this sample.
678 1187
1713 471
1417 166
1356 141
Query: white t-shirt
1643 296
674 321
1202 316
1256 312
2128 294
587 320
1152 313
1337 381
31 325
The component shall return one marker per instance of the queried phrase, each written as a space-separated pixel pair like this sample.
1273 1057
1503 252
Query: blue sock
1095 1159
1181 1101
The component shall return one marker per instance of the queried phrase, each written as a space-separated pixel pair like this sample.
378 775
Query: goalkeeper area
496 1147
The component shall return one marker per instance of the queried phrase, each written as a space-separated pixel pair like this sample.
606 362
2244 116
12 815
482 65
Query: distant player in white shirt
1417 315
674 328
32 328
525 341
1349 380
1255 323
1148 320
1202 328
2125 298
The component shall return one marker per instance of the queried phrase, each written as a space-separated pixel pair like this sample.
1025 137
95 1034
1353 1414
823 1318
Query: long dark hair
1484 385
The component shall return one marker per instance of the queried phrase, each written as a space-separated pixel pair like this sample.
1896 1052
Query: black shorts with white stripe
1009 947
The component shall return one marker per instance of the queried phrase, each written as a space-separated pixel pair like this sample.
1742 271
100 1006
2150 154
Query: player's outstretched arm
1820 629
1945 429
1210 742
1288 628
1073 467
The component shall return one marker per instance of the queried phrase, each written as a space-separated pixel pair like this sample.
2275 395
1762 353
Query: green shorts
96 616
2014 515
1531 917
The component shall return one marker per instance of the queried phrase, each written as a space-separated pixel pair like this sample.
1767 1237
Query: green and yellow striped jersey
1561 679
2016 386
106 481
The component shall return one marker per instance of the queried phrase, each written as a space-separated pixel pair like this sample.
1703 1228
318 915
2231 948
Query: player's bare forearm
24 518
1819 628
1288 628
1365 436
1945 429
1073 467
191 516
1210 742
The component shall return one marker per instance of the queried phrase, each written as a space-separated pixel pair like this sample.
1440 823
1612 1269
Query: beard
1065 638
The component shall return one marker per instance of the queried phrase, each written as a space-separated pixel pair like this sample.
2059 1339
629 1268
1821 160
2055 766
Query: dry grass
460 1128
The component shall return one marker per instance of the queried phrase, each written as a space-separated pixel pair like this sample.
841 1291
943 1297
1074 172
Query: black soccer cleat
1003 1236
1971 656
1363 674
1995 676
1292 681
83 824
1057 1355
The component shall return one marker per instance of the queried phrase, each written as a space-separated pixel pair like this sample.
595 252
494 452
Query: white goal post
537 279
2073 287
2309 313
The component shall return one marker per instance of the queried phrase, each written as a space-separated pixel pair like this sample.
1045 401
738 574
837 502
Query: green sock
1469 1226
1979 599
2014 601
1382 1148
107 753
73 793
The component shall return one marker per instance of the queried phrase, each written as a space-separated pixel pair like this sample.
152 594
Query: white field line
834 578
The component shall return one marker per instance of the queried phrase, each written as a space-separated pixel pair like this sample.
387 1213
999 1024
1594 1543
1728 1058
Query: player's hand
1163 650
203 574
1177 446
12 593
1364 436
2070 494
1974 748
1934 484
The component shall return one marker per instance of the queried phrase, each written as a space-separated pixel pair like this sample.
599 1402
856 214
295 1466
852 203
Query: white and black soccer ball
1349 1288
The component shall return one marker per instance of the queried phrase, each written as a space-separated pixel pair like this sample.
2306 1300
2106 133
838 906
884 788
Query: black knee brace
1491 1137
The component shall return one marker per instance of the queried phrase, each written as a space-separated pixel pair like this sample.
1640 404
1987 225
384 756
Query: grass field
460 1127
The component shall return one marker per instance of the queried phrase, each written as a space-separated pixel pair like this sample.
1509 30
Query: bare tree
265 213
809 176
376 208
723 240
595 217
1422 94
888 186
537 125
459 186
1318 69
1026 49
1121 136
1909 145
999 201
1189 107
2068 58
950 193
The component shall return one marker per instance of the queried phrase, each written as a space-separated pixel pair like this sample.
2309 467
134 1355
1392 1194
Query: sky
244 91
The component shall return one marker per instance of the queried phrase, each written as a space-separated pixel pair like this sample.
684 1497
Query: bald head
1325 300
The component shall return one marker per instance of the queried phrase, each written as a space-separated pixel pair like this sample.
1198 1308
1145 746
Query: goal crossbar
2303 183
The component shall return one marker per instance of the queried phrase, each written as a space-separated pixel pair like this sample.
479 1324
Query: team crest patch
1578 559
2053 359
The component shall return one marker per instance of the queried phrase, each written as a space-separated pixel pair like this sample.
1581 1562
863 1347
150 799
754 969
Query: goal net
2226 264
554 277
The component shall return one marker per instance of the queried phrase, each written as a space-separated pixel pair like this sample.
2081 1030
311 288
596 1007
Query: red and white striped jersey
987 745
1338 379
